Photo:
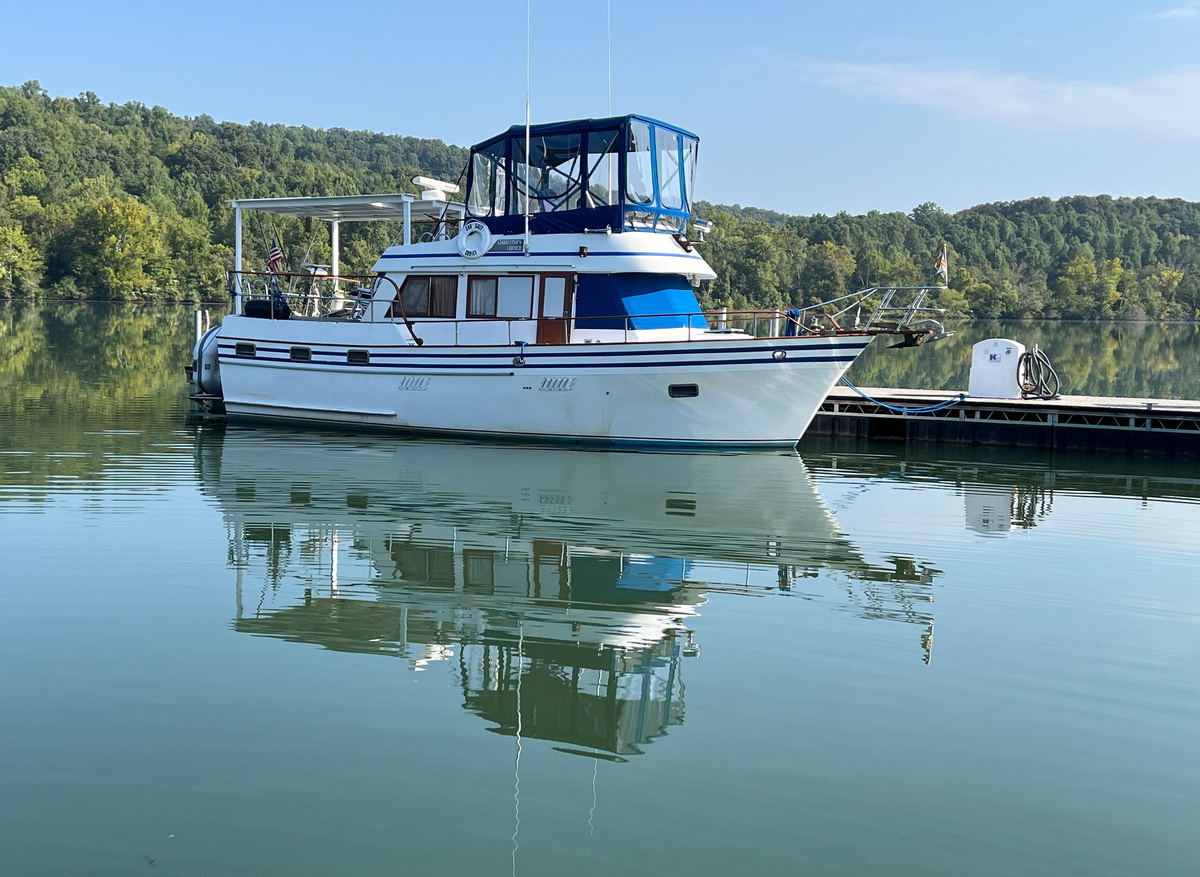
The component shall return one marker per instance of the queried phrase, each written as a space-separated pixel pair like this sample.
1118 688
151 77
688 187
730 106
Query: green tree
20 264
119 248
827 269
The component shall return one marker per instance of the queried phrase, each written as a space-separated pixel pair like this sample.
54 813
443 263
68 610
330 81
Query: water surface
274 652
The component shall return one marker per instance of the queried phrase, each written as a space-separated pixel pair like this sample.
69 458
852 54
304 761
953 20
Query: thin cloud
1166 105
1189 10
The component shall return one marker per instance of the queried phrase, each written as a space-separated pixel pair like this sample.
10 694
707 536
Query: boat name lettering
508 245
414 382
557 384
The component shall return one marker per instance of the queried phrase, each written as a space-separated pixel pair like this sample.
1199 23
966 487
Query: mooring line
925 410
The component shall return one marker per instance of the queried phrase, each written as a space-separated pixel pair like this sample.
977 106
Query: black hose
1036 376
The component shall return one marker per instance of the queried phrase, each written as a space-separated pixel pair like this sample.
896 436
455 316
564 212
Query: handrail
264 284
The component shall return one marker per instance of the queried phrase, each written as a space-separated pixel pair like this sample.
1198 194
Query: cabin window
554 297
244 349
501 297
358 357
301 354
427 296
481 297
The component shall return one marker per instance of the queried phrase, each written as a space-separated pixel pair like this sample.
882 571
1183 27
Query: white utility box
994 369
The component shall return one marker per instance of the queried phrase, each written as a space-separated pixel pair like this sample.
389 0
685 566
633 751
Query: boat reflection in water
561 583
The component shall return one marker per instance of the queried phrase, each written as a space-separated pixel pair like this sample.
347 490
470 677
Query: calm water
269 652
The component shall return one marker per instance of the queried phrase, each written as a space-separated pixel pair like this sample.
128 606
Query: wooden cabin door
554 308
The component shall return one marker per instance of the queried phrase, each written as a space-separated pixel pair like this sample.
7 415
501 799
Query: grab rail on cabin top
320 295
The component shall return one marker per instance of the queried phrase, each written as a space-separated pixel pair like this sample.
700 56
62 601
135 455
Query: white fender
208 366
474 239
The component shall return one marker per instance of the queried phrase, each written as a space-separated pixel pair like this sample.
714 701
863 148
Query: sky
801 107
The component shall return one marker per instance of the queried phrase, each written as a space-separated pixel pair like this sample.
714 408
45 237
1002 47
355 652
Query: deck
1097 424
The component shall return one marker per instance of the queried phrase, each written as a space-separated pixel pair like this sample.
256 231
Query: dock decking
1098 424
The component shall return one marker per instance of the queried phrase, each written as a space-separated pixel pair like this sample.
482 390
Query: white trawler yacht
556 304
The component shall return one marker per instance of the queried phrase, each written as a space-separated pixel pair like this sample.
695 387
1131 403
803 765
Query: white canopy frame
336 209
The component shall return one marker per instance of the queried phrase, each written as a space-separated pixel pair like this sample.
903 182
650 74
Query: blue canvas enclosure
625 173
636 301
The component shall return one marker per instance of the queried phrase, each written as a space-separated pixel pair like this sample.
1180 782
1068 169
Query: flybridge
627 173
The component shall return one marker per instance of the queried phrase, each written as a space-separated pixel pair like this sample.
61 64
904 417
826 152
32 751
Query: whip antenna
528 169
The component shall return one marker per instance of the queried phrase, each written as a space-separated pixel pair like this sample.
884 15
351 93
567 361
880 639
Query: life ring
474 239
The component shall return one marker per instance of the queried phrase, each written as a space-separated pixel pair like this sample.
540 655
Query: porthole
358 357
244 349
683 391
301 354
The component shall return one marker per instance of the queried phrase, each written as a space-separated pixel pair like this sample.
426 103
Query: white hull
750 392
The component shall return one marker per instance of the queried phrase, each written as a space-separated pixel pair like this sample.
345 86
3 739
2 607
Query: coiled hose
1036 376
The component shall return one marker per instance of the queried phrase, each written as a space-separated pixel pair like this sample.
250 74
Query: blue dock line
926 410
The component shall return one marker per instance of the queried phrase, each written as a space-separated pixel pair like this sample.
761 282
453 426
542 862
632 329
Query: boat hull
736 392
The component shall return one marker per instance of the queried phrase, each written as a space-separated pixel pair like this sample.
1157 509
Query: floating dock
1092 424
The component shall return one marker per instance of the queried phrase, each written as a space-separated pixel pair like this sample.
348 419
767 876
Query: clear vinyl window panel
604 157
553 179
639 168
670 180
487 189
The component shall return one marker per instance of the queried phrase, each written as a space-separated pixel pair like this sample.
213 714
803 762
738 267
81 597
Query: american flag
941 266
274 257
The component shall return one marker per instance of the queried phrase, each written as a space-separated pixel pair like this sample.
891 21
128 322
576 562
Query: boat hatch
624 173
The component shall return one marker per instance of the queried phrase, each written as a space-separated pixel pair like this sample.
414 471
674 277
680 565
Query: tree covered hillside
131 202
1081 257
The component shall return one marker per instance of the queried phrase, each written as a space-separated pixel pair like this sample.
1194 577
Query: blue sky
801 107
